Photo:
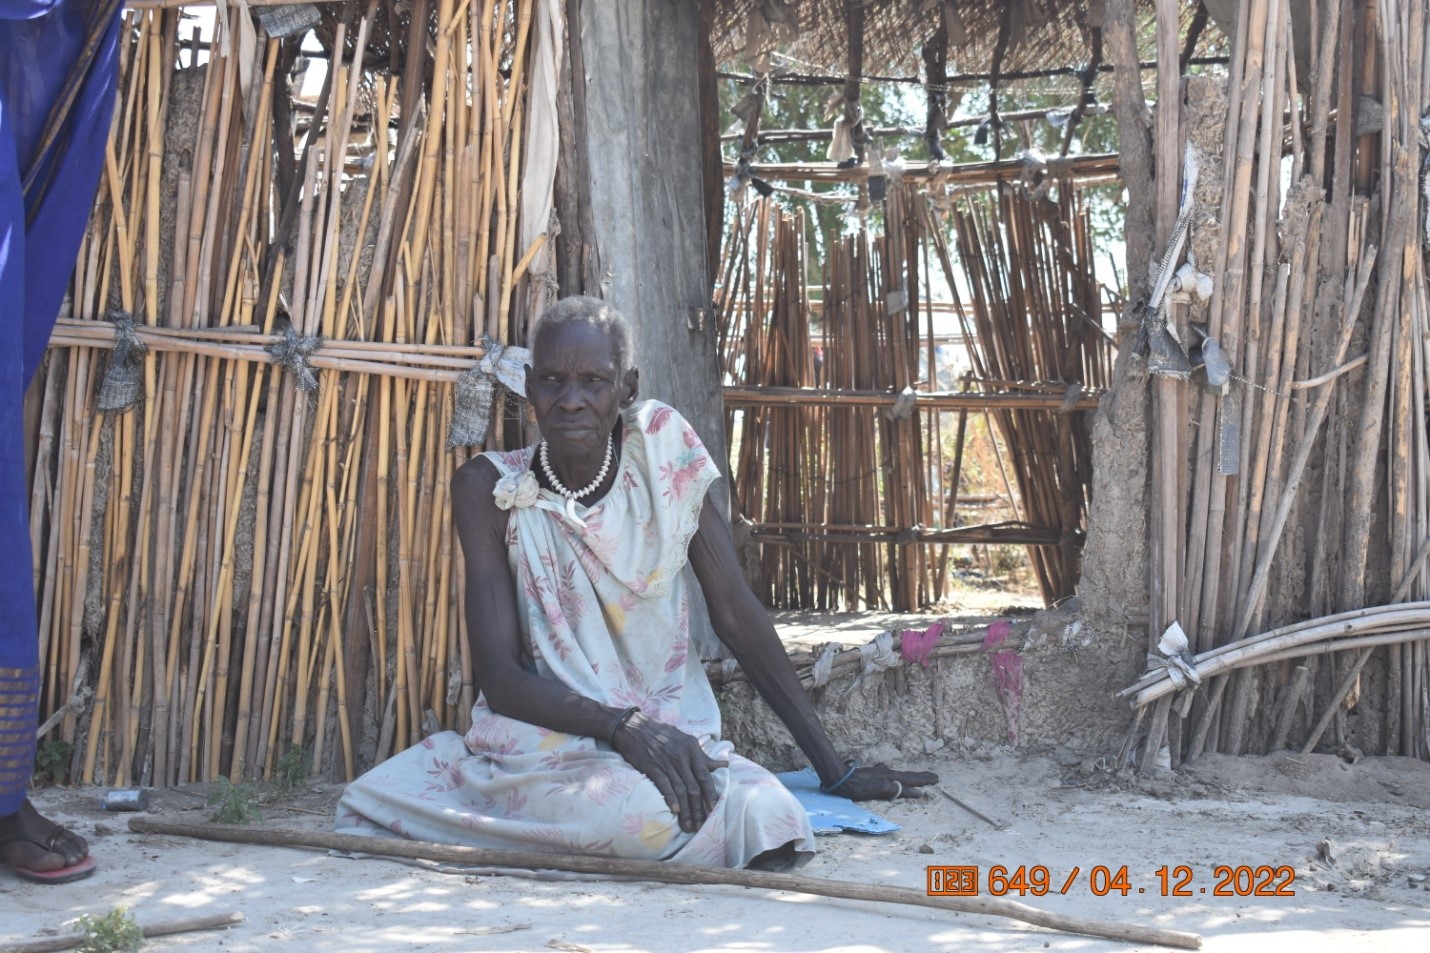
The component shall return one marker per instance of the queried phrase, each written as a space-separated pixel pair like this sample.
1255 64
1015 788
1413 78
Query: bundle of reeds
251 569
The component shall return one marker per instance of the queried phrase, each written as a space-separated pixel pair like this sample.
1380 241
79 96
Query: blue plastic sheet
829 813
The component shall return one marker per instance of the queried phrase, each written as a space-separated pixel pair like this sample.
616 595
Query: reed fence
1297 485
842 462
236 567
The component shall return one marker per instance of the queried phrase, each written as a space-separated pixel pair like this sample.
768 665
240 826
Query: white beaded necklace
573 495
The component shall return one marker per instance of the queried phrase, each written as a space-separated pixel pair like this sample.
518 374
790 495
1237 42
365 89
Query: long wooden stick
659 872
209 921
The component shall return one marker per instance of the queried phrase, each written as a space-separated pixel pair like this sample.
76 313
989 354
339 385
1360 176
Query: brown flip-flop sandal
79 870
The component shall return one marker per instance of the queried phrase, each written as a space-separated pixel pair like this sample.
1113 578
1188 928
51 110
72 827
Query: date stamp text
1241 880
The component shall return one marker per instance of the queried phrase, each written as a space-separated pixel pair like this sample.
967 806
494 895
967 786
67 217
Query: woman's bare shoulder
475 473
472 490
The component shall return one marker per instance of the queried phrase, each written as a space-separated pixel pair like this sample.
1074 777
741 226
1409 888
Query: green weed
291 775
115 932
234 803
52 762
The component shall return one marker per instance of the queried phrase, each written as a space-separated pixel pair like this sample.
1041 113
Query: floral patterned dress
604 609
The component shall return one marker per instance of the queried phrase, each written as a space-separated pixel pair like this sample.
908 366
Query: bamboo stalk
254 643
1405 617
1347 683
1226 314
1291 706
1257 588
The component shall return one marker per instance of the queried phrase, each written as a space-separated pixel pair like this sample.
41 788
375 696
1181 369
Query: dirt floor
1356 835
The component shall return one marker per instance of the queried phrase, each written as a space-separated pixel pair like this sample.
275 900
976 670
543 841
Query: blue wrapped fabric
45 200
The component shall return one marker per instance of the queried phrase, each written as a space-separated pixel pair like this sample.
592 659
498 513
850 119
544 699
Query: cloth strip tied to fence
293 351
476 389
120 388
875 656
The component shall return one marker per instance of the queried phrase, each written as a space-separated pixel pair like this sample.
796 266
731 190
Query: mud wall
1064 698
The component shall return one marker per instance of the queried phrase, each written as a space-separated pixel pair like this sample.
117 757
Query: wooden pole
658 872
208 921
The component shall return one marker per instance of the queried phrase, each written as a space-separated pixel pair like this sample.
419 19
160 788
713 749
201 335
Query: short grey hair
598 314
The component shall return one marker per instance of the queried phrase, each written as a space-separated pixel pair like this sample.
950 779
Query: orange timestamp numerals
1037 880
1241 880
1023 880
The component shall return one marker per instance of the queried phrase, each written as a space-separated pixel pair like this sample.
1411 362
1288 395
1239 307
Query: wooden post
1121 434
637 119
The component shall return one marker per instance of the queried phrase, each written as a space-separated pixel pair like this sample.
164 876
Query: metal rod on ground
209 921
973 810
667 873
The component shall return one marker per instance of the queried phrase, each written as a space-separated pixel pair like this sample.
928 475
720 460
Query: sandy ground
805 629
1357 836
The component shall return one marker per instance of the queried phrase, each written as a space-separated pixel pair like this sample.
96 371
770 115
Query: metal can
127 799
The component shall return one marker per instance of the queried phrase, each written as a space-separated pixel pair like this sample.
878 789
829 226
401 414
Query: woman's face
575 387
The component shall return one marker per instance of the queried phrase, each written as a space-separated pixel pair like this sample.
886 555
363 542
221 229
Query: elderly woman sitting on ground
596 730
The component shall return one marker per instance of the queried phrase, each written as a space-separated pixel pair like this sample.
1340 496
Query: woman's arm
492 627
743 625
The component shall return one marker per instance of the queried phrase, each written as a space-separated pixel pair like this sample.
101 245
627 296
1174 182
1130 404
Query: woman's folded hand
675 763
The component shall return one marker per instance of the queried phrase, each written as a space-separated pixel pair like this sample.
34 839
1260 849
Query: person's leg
777 860
35 62
28 842
19 648
60 208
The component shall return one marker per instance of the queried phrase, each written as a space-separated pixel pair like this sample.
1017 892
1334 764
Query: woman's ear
631 383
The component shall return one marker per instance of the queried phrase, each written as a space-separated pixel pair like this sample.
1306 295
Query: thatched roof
1039 33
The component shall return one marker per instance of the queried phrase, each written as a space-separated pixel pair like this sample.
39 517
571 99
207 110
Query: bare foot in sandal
41 850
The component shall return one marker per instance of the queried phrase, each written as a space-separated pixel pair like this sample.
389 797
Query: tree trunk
637 120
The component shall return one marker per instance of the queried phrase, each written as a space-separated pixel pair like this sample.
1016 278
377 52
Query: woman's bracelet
831 788
621 719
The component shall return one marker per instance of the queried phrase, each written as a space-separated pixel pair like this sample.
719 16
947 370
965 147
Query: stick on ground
973 810
667 873
209 921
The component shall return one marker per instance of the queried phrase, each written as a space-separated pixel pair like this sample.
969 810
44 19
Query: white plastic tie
877 654
824 664
727 670
1176 658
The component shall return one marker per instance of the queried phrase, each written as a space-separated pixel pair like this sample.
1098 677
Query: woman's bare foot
40 849
775 860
